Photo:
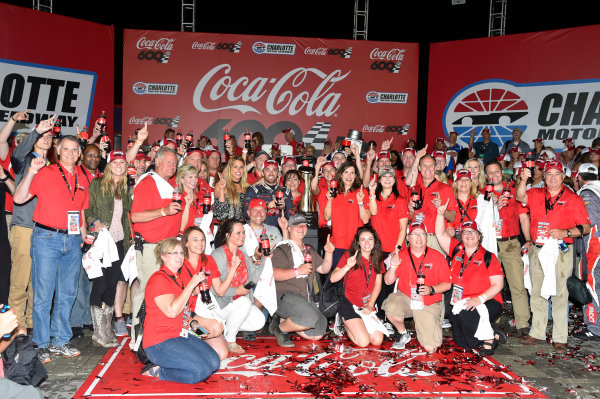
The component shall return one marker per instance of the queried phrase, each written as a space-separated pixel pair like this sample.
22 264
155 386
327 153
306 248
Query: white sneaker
401 340
389 327
338 327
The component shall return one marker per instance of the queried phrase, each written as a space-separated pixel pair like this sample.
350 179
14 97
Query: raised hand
387 144
37 163
371 156
46 125
329 247
360 195
421 153
352 260
283 223
142 134
373 184
21 116
442 208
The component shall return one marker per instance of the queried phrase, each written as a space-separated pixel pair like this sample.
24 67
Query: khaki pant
539 305
146 266
20 297
427 320
509 255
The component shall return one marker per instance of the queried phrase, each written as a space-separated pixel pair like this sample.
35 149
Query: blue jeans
187 360
80 314
56 262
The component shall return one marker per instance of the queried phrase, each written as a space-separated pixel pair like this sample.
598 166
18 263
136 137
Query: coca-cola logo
140 121
315 51
203 46
338 52
373 129
395 54
162 44
286 93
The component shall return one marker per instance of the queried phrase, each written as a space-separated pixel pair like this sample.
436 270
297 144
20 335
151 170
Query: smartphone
249 285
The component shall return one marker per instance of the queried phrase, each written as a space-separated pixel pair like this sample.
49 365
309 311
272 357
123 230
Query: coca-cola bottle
130 142
333 188
420 281
265 244
205 288
189 139
83 137
131 173
178 138
206 203
530 162
226 138
56 130
307 256
87 243
489 189
247 139
505 196
101 122
156 145
177 195
279 199
415 197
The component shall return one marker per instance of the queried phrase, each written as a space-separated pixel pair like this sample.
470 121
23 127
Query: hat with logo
290 130
452 133
330 164
547 154
538 140
553 164
588 168
409 149
540 163
169 141
469 224
439 140
257 202
417 225
297 219
503 157
275 146
287 159
383 154
387 171
463 174
115 155
270 162
438 154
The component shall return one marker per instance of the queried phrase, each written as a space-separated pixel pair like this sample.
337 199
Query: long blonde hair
230 190
184 170
481 180
109 187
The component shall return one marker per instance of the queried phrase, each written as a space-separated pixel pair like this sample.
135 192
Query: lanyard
463 267
368 279
85 173
549 204
174 278
72 195
413 262
463 211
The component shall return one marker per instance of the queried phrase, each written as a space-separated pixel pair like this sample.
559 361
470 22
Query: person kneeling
177 355
425 276
295 267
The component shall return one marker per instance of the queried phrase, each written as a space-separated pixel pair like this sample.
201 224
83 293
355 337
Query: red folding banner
546 83
54 64
320 88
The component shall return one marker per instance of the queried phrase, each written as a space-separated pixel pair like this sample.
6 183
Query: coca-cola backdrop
546 83
54 64
320 88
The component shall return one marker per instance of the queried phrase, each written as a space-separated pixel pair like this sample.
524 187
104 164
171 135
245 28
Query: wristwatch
431 290
569 234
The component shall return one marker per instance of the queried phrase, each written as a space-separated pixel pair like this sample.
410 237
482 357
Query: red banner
54 64
320 88
546 83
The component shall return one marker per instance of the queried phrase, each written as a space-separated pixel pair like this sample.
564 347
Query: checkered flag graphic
347 53
165 57
317 135
237 47
175 121
397 67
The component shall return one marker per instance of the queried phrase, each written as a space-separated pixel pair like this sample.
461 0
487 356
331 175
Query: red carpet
317 370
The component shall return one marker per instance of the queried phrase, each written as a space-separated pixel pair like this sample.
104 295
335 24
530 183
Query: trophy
307 206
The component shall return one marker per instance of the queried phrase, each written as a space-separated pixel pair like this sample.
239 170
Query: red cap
210 152
540 163
330 163
553 164
469 224
275 146
452 133
270 162
515 149
408 149
114 155
139 156
438 154
287 159
290 130
301 144
570 147
257 202
439 140
169 141
538 140
463 174
595 150
384 154
417 225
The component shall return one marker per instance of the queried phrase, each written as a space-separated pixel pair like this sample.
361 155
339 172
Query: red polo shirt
467 210
345 218
187 271
146 197
387 220
568 211
356 280
476 276
435 268
55 199
158 327
508 224
428 212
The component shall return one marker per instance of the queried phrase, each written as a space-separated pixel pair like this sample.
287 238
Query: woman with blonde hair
230 190
191 204
475 166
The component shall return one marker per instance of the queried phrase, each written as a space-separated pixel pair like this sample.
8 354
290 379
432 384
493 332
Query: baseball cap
290 130
138 157
383 154
275 146
270 162
439 140
518 129
115 155
387 170
417 225
548 154
469 224
287 159
463 174
409 149
538 140
169 141
588 168
330 163
257 202
297 219
438 154
553 164
452 133
540 163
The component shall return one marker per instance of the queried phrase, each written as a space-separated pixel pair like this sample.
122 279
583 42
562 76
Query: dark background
422 21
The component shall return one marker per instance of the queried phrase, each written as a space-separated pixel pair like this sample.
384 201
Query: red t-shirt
252 177
146 197
476 277
508 223
345 218
7 166
466 211
187 271
356 280
435 268
294 146
387 220
568 211
55 199
428 212
158 327
321 203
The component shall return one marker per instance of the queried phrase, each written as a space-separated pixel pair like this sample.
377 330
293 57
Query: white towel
487 214
548 256
91 263
265 290
484 331
107 248
129 265
210 238
251 242
164 188
526 273
372 322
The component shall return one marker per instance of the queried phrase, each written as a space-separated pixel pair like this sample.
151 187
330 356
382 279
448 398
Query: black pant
105 287
386 289
464 324
5 267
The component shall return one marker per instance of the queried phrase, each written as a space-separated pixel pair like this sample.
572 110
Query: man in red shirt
509 248
421 300
289 137
155 216
556 212
62 194
231 148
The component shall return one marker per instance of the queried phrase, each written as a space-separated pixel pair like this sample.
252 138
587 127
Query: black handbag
330 296
578 290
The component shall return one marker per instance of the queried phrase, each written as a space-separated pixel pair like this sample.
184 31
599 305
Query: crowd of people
210 244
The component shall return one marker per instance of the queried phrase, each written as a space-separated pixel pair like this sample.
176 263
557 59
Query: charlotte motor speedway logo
374 97
552 111
155 88
274 48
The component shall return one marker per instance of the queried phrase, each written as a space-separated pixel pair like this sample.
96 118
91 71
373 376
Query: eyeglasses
176 253
469 232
